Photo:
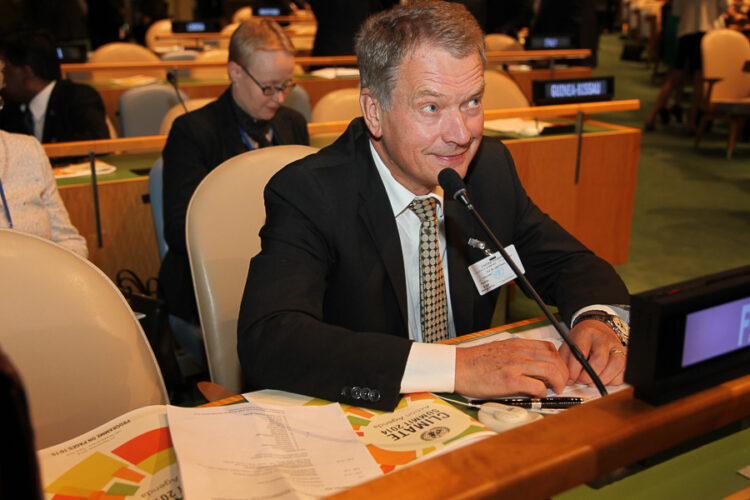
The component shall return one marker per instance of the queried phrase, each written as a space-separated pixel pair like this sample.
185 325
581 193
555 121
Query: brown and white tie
433 301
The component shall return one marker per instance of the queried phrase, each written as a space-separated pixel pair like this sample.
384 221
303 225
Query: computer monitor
72 53
689 336
549 41
195 27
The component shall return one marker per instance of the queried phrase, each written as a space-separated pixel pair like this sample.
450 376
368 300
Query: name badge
493 272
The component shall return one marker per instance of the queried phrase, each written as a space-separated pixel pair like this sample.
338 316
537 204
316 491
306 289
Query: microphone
454 185
172 78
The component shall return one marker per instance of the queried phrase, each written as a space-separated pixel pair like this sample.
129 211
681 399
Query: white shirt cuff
429 368
595 307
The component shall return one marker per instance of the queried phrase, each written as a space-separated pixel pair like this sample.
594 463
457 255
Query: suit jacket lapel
377 216
458 222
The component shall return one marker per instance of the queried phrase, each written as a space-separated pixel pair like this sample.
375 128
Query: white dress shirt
429 367
38 107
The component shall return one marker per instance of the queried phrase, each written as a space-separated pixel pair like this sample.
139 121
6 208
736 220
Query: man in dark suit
248 115
341 297
38 102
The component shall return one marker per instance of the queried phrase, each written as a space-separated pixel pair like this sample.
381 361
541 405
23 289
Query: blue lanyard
246 139
5 205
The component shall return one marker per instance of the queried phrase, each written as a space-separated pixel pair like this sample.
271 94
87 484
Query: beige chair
160 45
727 97
337 105
212 73
501 92
179 110
223 219
81 352
227 32
500 42
124 52
242 14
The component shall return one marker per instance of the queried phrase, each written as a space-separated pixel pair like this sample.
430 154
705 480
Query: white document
253 451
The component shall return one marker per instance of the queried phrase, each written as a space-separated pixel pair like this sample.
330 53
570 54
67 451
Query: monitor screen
573 90
550 42
716 330
269 11
72 53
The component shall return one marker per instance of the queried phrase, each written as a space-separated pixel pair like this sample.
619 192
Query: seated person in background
332 304
38 101
248 115
28 192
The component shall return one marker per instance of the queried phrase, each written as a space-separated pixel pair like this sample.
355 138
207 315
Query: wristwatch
621 329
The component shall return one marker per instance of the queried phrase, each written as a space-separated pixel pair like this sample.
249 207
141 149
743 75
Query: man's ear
233 70
372 113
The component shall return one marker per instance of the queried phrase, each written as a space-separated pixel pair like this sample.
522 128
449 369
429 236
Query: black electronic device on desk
196 27
689 336
548 41
72 53
573 90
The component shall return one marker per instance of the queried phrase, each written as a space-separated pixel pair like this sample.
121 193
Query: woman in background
28 192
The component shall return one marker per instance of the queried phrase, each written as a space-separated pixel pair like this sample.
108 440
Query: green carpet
692 206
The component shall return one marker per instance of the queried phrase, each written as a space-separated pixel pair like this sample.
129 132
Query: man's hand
508 367
599 344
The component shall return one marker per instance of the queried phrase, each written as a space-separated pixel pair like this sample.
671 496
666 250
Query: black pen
551 403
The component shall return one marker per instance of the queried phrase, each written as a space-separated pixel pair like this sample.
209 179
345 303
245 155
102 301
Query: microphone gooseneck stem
526 286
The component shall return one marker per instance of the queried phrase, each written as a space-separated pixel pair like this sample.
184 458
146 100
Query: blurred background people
28 192
248 115
38 101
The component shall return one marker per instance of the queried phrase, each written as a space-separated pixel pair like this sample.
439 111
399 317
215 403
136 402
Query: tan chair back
242 14
124 52
724 53
179 110
217 72
501 92
500 42
81 352
161 45
337 105
224 217
227 30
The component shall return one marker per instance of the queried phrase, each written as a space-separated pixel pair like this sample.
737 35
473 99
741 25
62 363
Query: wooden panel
128 237
561 451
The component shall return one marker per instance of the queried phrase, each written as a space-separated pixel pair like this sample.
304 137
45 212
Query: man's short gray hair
255 35
386 38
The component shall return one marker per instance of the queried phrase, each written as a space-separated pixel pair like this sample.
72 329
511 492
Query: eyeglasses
269 90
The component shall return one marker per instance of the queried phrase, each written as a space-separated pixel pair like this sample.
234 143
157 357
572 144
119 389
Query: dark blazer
75 112
331 265
197 143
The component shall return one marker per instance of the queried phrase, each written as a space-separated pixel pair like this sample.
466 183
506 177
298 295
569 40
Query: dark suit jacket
197 143
75 112
324 307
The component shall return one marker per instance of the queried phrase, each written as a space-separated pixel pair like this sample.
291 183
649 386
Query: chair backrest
156 197
224 217
124 52
79 348
142 109
499 41
242 14
501 92
298 100
179 110
157 44
214 72
724 53
337 105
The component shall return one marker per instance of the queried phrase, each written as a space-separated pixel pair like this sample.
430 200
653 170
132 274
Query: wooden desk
597 210
561 451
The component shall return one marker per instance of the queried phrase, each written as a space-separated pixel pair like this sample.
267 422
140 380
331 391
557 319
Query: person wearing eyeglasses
248 115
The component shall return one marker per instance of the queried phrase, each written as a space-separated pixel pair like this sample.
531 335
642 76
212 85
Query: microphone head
172 77
451 182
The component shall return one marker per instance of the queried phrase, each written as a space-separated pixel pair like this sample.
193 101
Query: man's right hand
509 367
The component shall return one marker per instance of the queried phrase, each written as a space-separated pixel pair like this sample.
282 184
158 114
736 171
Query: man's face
435 119
269 67
15 82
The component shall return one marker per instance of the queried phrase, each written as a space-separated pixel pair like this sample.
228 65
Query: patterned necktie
433 302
